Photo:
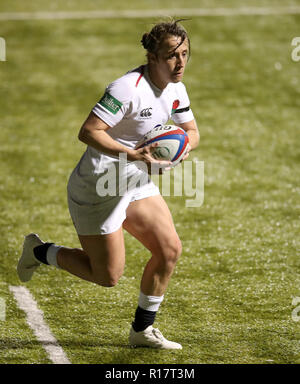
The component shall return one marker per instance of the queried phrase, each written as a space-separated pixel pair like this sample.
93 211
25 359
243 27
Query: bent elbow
82 135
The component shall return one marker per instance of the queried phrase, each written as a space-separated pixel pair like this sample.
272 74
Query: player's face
171 59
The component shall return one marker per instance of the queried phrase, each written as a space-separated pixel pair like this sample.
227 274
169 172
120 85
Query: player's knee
109 283
175 249
109 279
172 252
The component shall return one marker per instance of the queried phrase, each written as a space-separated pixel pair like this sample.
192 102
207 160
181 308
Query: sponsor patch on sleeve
110 103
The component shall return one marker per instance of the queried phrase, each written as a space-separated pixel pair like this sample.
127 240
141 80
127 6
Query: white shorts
93 212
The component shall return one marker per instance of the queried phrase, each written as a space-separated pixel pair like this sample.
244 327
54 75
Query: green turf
87 5
230 299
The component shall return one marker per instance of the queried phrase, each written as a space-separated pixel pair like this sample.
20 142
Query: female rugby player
131 106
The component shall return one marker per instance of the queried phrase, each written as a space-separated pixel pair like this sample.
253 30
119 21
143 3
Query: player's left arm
193 133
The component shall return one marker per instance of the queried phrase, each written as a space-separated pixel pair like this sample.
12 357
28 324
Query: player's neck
155 78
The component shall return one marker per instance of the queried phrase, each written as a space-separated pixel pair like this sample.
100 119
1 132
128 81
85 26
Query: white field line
35 320
146 13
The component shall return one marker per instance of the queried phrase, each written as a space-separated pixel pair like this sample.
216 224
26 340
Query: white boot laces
158 334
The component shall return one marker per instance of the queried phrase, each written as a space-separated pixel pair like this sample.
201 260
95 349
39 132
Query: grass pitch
230 298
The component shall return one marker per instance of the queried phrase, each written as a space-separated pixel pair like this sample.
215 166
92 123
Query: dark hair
152 41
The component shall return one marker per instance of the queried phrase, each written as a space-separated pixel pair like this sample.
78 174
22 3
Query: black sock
143 319
40 252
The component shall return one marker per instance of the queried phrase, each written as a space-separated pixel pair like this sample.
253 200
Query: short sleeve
181 111
113 105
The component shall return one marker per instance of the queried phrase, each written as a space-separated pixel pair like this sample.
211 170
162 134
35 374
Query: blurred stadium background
231 297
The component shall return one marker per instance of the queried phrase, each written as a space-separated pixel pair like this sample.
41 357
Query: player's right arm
107 113
93 133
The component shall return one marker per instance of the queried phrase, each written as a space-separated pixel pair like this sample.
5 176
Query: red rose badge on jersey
175 106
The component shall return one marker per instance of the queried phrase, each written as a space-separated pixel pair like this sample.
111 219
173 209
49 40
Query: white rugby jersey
132 105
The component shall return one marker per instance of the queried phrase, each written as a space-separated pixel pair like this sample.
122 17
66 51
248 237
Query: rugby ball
172 142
